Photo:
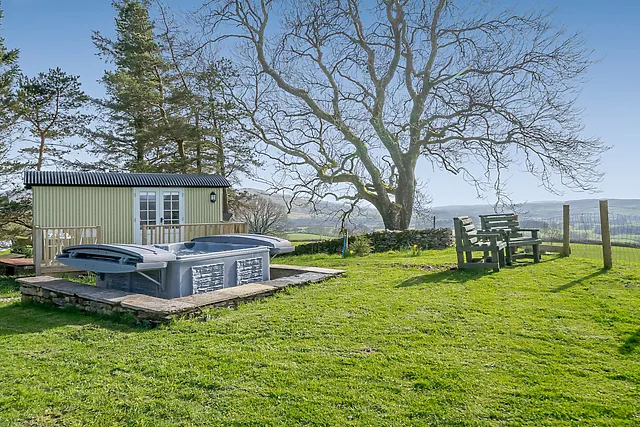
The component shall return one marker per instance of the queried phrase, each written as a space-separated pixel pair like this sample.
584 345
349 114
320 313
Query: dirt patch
426 267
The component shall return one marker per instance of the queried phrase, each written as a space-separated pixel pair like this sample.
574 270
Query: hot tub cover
110 258
275 244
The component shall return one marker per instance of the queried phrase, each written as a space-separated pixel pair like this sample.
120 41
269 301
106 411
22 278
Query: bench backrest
465 231
498 222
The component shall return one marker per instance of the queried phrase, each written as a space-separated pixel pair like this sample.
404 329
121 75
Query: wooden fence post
37 249
566 231
99 234
605 231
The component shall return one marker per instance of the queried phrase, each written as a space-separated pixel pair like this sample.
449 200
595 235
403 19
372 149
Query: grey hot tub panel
201 272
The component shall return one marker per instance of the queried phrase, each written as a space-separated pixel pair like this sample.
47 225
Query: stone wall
63 293
383 241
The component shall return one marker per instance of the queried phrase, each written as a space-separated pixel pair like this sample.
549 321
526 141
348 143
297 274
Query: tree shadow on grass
578 281
631 343
462 276
445 276
27 318
8 285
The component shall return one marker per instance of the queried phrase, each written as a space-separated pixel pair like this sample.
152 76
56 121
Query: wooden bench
469 240
509 227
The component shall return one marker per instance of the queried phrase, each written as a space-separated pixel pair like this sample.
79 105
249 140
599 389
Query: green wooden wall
198 208
110 207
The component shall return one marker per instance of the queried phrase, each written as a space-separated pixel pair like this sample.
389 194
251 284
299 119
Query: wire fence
586 235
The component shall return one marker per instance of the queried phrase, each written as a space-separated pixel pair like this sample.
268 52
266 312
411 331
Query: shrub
22 245
23 250
361 246
384 241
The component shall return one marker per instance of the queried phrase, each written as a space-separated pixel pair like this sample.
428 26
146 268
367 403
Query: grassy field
398 341
307 237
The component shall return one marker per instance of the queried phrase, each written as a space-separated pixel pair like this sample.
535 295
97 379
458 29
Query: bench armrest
488 233
528 229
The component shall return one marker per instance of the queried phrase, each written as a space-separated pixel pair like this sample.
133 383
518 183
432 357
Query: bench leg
495 257
460 258
501 259
469 256
509 257
536 253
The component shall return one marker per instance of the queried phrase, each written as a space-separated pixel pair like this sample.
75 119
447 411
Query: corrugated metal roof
115 179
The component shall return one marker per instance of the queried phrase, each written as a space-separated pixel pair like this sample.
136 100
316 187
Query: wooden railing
173 233
49 241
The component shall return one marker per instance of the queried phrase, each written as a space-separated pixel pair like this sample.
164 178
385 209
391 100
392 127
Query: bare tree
351 94
262 215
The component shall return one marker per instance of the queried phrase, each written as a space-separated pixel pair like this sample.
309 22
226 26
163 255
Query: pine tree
130 135
223 148
49 108
165 109
8 73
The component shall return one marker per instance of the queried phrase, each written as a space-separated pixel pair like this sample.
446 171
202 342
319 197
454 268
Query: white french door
158 206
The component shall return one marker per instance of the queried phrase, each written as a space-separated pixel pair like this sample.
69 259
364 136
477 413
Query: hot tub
205 267
170 271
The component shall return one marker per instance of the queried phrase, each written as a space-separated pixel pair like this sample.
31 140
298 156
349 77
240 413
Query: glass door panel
161 207
171 216
147 210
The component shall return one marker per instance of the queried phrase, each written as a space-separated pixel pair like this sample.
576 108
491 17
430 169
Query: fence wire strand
586 235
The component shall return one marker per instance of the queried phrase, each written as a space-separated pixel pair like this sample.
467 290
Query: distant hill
541 210
302 216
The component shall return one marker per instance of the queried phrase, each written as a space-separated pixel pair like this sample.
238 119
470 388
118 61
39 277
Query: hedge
383 241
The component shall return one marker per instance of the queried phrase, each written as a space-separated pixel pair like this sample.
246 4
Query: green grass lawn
621 255
391 343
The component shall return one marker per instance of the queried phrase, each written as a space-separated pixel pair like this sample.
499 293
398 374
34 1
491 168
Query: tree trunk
41 152
198 144
181 153
397 215
220 160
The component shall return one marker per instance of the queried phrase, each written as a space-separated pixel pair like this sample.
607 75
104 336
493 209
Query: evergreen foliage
8 73
49 107
165 109
136 94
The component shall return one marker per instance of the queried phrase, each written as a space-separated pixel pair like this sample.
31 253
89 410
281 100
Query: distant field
307 237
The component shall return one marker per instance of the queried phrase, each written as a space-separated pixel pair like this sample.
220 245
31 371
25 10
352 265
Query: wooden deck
14 265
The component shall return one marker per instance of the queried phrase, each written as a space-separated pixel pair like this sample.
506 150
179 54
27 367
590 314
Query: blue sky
52 33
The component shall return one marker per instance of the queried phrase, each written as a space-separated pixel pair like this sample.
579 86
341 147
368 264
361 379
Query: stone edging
144 308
